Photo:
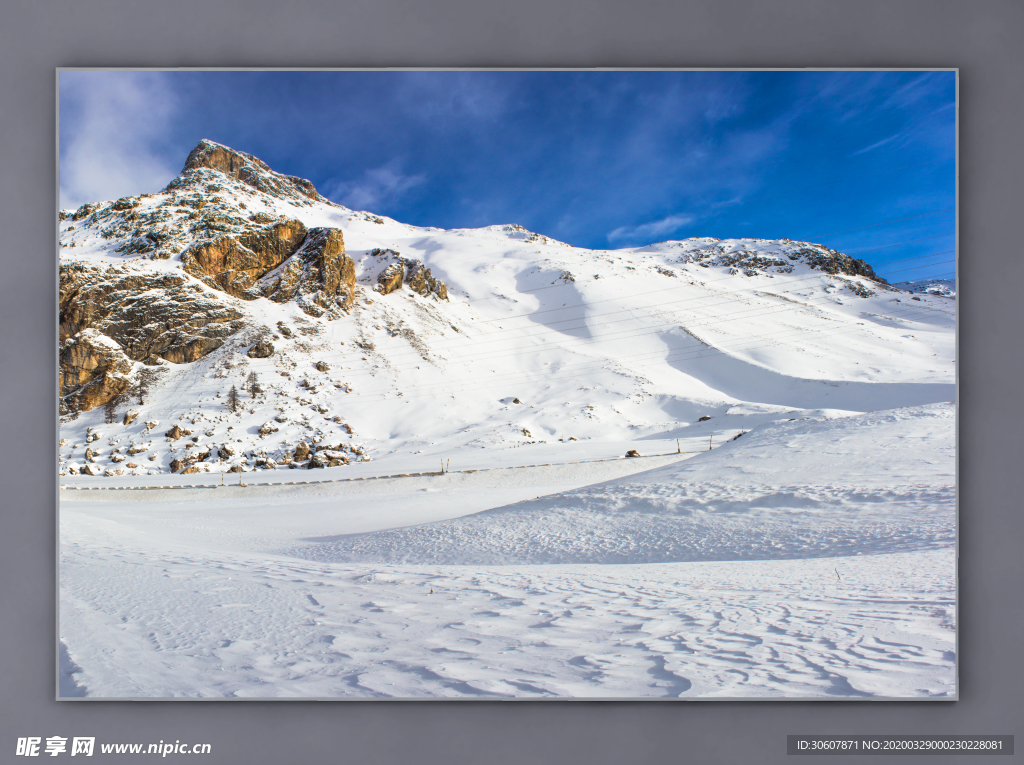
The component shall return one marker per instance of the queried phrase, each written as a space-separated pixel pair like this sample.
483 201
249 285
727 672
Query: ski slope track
425 494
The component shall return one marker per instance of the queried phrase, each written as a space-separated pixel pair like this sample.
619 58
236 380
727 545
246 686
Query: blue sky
860 161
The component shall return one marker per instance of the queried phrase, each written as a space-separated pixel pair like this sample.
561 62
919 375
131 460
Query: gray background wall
980 37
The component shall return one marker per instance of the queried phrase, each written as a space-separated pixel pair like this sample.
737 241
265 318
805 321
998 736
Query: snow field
243 626
661 583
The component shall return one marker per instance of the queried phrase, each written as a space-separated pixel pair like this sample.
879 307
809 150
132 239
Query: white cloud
379 186
110 125
648 231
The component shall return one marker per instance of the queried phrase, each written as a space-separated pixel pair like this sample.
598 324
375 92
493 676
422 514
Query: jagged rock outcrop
397 272
263 349
209 155
93 369
833 262
146 314
175 433
235 263
420 280
754 262
319 276
142 316
390 279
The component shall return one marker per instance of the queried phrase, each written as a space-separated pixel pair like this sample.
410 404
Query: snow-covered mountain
349 336
940 287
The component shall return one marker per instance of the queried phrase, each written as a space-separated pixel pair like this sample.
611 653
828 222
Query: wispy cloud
648 231
378 186
896 140
919 89
112 124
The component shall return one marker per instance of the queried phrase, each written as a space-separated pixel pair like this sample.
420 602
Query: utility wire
632 333
681 353
723 298
897 244
700 350
883 223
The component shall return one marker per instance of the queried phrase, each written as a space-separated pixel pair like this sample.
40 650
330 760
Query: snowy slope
881 482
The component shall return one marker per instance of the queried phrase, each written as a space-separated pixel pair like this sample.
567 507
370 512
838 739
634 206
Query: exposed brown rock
334 456
176 465
320 277
93 370
323 366
126 203
246 168
141 316
262 350
419 280
235 263
632 453
390 279
175 433
130 416
301 451
192 469
85 211
236 469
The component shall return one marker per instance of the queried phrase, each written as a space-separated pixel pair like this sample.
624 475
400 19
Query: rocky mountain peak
253 172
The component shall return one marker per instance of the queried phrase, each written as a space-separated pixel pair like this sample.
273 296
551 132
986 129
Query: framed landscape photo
572 384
